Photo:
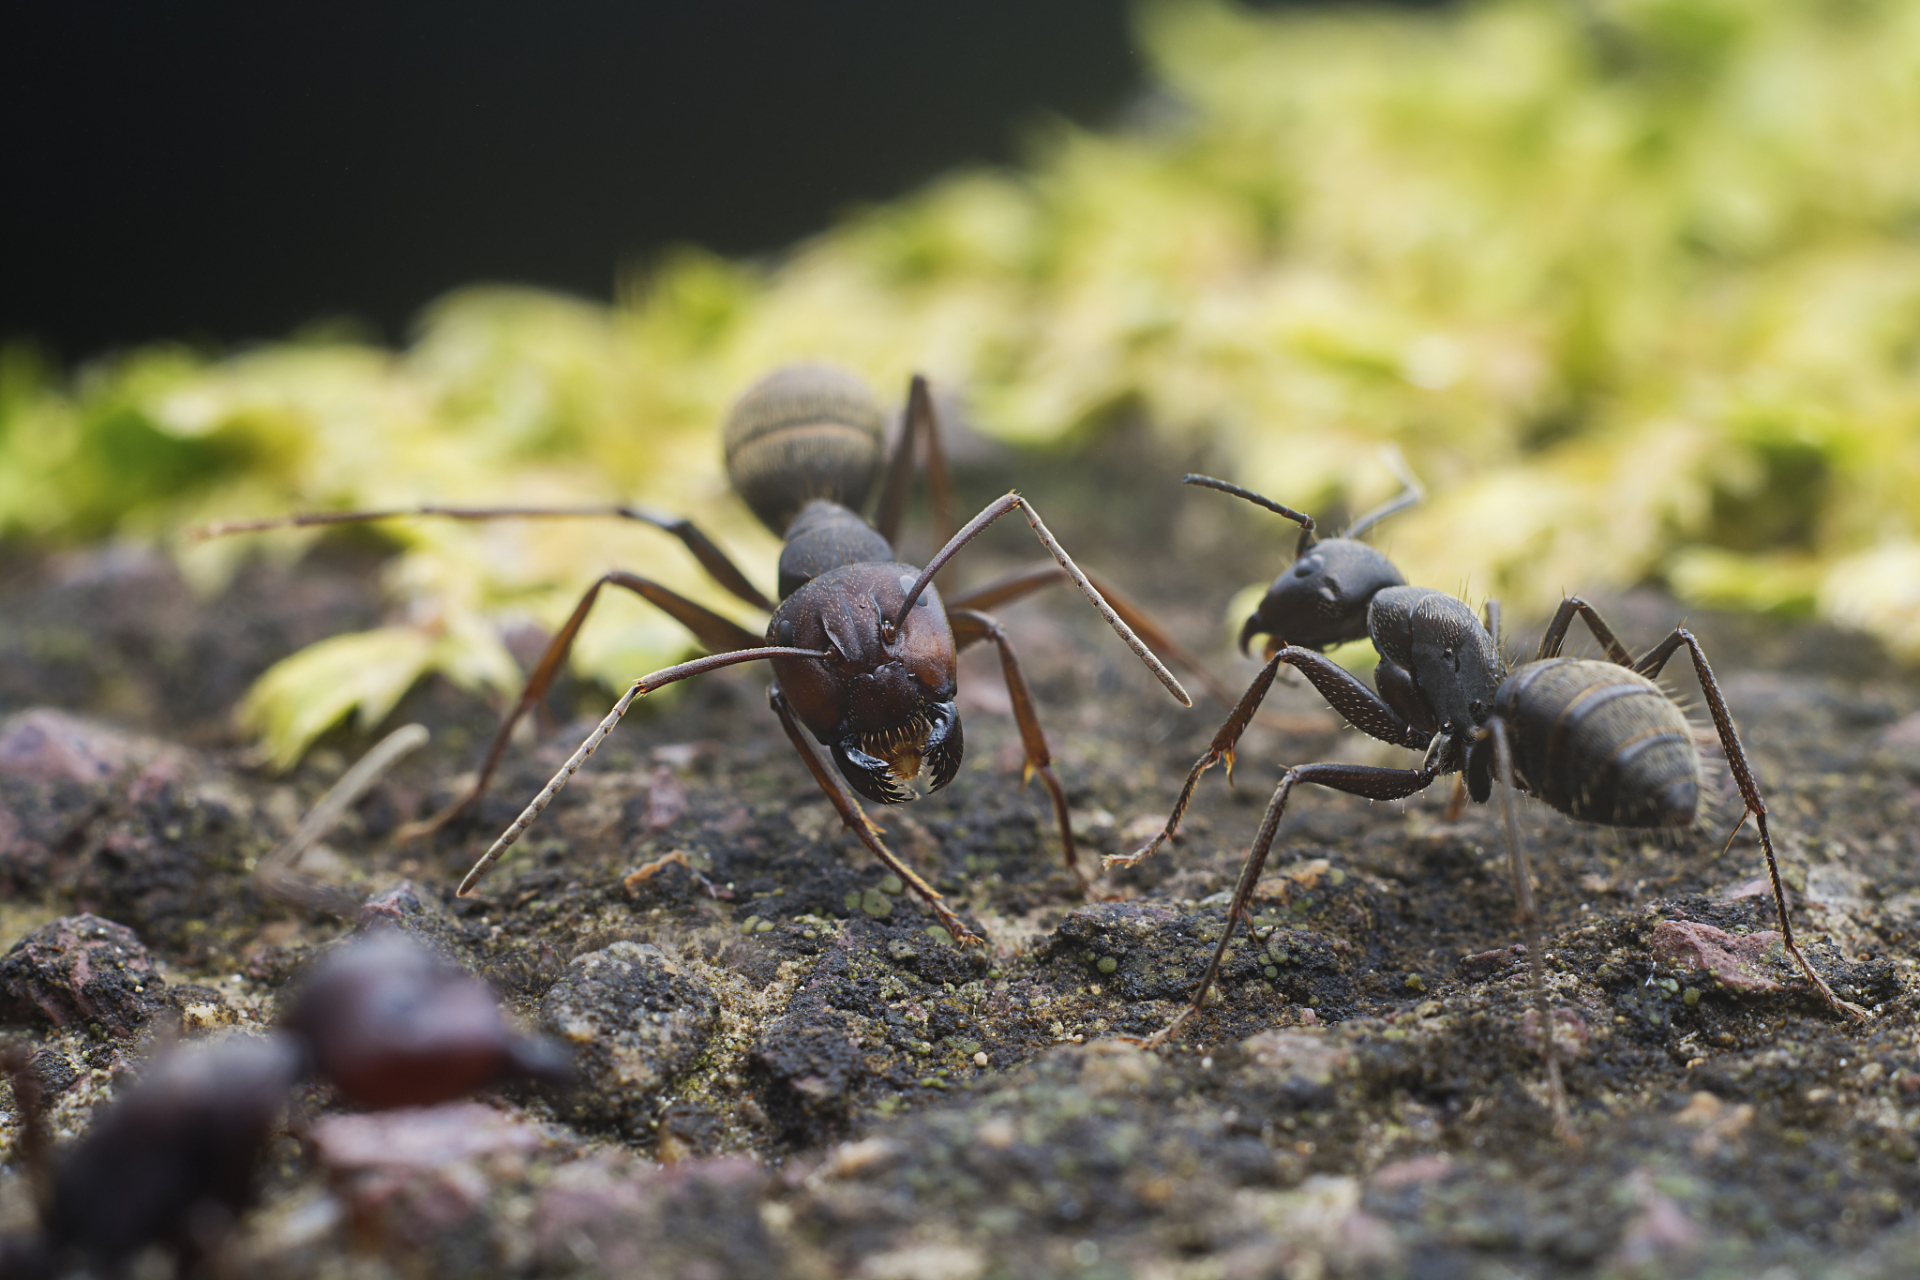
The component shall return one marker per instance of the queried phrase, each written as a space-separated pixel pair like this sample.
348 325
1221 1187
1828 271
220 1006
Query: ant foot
1134 859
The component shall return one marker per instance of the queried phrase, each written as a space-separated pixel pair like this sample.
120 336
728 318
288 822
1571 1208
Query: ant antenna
1301 518
1412 492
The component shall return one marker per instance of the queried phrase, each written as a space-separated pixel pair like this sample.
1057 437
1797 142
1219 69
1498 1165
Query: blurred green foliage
1634 284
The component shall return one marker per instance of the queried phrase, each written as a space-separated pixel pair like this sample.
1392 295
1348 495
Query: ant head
883 703
1322 597
391 1024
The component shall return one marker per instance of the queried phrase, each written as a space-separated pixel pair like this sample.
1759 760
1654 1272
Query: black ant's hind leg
1650 666
1556 632
1354 779
969 627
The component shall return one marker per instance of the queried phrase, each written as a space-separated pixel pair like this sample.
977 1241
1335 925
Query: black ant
1597 740
862 646
172 1162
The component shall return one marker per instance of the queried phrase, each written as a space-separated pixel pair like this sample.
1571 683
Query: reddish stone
1734 959
80 970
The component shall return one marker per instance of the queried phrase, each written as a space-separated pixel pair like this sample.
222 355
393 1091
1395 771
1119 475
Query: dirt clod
635 1020
80 971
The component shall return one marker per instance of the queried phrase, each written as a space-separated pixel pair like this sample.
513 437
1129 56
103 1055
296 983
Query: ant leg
1363 708
711 558
969 627
1411 494
1354 779
279 875
1650 666
862 826
1556 632
1530 926
1014 502
920 419
644 685
1026 581
709 627
1220 749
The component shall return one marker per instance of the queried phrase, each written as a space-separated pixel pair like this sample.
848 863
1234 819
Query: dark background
224 171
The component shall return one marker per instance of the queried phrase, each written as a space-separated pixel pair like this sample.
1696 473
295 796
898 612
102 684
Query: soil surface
788 1071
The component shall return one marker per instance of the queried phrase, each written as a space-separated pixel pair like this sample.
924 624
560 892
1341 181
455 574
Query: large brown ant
862 646
1597 740
173 1161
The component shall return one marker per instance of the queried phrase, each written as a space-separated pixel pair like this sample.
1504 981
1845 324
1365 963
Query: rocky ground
788 1072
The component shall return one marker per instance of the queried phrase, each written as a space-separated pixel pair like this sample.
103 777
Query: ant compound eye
1307 567
1330 591
784 632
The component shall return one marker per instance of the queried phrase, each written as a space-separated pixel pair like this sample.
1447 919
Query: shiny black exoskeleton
1320 599
1596 740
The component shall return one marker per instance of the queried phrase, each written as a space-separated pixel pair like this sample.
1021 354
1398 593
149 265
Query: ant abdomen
1601 743
805 432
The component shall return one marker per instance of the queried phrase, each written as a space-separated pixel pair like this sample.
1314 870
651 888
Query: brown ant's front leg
857 821
969 627
1354 779
712 630
638 689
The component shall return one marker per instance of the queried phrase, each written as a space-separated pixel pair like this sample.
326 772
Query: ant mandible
1597 740
862 646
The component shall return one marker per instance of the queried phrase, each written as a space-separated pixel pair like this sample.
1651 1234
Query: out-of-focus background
1634 285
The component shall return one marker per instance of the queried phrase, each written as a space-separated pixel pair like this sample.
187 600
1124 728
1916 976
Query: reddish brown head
883 702
390 1024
